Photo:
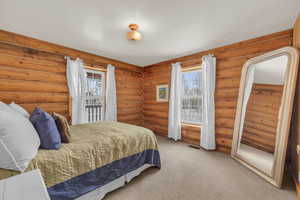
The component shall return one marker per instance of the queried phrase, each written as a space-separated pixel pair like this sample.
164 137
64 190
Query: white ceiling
171 28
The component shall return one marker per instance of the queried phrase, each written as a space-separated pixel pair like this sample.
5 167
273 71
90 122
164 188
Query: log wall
230 60
261 117
33 74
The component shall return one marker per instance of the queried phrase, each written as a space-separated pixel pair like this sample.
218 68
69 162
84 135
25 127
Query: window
95 92
191 108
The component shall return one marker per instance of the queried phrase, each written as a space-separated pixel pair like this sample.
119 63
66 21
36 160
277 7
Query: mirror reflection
260 110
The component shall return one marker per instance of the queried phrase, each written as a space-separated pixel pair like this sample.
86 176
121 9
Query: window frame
102 96
192 69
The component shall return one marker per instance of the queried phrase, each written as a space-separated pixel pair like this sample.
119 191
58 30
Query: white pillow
4 107
19 141
19 109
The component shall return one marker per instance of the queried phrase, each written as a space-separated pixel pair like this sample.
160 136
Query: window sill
191 125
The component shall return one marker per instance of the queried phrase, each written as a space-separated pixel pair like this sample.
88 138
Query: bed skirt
100 193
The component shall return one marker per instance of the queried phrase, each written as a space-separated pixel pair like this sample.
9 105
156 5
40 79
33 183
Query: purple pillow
46 128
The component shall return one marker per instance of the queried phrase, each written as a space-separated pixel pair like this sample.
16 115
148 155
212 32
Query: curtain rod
102 69
195 67
53 53
59 54
34 49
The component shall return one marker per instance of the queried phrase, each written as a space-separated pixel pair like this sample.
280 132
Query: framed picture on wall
162 93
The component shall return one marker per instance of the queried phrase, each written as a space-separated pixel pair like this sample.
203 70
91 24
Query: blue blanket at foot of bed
80 185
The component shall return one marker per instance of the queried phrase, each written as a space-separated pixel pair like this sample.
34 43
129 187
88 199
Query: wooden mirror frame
285 114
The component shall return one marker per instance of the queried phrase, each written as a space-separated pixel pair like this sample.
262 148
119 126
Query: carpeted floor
195 174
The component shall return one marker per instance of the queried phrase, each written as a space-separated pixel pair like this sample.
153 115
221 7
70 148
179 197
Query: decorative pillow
63 127
19 141
19 109
46 128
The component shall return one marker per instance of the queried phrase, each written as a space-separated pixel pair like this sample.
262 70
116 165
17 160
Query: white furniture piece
28 185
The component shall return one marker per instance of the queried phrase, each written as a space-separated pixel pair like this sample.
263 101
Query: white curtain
76 78
111 97
209 80
247 93
174 126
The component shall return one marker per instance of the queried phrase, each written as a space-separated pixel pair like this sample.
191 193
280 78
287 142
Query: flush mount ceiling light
134 34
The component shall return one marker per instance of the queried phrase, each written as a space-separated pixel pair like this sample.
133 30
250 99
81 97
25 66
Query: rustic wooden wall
130 96
294 141
230 60
33 74
26 63
190 134
261 117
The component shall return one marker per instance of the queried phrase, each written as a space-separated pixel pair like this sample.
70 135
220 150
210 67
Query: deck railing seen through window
94 99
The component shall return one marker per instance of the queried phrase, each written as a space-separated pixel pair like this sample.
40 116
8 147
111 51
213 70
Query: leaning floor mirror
264 113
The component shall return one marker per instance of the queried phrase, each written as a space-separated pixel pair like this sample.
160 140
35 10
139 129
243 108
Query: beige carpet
193 174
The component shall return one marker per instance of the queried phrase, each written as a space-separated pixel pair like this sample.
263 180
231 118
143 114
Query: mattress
98 154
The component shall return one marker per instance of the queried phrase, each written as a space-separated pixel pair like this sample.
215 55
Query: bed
101 157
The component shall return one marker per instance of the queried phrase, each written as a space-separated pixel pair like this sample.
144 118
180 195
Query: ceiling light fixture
134 34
